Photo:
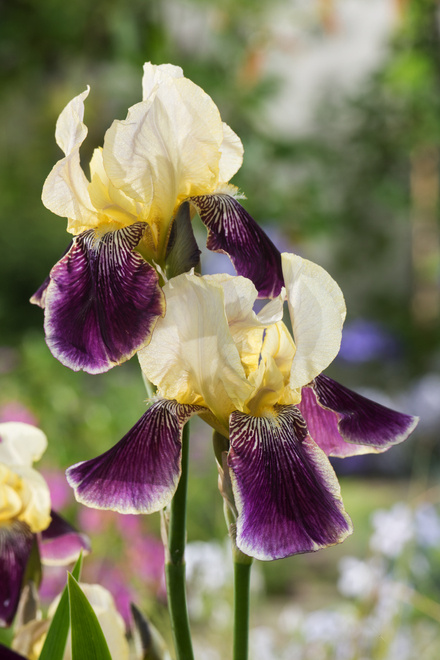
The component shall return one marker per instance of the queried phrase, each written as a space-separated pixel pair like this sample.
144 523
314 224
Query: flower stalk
175 561
242 580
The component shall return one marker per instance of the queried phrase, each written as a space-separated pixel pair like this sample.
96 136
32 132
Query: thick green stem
242 579
175 562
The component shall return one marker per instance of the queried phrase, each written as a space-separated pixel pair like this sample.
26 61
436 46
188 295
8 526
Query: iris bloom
246 376
172 156
26 516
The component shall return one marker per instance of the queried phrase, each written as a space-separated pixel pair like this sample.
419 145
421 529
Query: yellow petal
317 311
192 356
65 191
35 497
155 74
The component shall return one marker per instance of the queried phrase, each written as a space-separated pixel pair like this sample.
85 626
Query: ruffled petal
139 474
233 231
61 543
65 191
346 424
317 311
103 301
15 548
286 492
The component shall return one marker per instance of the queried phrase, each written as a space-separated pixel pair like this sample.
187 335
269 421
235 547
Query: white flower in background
358 578
393 529
427 526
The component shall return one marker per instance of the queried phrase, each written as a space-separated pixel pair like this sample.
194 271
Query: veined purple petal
61 543
15 548
343 415
102 302
233 231
39 297
139 474
286 491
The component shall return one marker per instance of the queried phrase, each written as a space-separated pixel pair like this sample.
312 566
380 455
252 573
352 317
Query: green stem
242 579
175 563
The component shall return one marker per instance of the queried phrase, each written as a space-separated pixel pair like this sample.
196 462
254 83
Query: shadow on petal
102 301
141 472
286 491
360 421
233 231
15 548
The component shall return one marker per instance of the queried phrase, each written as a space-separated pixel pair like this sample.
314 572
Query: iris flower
170 157
26 516
264 391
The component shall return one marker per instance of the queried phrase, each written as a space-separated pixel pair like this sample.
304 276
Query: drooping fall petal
15 548
233 231
344 423
102 302
141 472
286 492
61 543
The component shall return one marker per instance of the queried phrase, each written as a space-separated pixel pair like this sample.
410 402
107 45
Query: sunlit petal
21 444
286 492
346 423
317 311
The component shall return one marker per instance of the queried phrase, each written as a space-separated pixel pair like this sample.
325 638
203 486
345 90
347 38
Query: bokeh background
337 103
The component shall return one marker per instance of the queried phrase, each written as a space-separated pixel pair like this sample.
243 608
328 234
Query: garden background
337 103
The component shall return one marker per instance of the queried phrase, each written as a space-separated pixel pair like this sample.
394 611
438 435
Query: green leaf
55 644
88 640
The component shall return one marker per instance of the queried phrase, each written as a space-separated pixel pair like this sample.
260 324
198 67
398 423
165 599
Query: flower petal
233 231
317 311
61 543
102 302
371 427
15 548
65 191
286 492
21 444
231 154
139 474
192 356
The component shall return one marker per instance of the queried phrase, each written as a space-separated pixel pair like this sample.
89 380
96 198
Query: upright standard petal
286 492
139 474
317 311
345 423
21 444
16 542
65 191
192 356
233 231
102 302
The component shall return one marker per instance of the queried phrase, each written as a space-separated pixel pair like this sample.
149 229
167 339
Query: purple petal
102 302
9 654
139 474
15 548
39 297
61 543
286 491
359 420
233 231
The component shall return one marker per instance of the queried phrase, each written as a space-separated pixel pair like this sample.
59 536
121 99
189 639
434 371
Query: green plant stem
242 579
175 562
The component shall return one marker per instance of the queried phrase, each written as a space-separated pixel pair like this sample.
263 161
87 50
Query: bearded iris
171 156
26 515
261 389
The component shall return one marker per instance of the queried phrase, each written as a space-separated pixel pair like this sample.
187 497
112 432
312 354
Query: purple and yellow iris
264 391
171 156
26 515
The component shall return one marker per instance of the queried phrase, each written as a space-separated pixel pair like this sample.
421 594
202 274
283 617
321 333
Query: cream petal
155 75
35 497
231 157
21 444
65 191
317 311
168 148
192 356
